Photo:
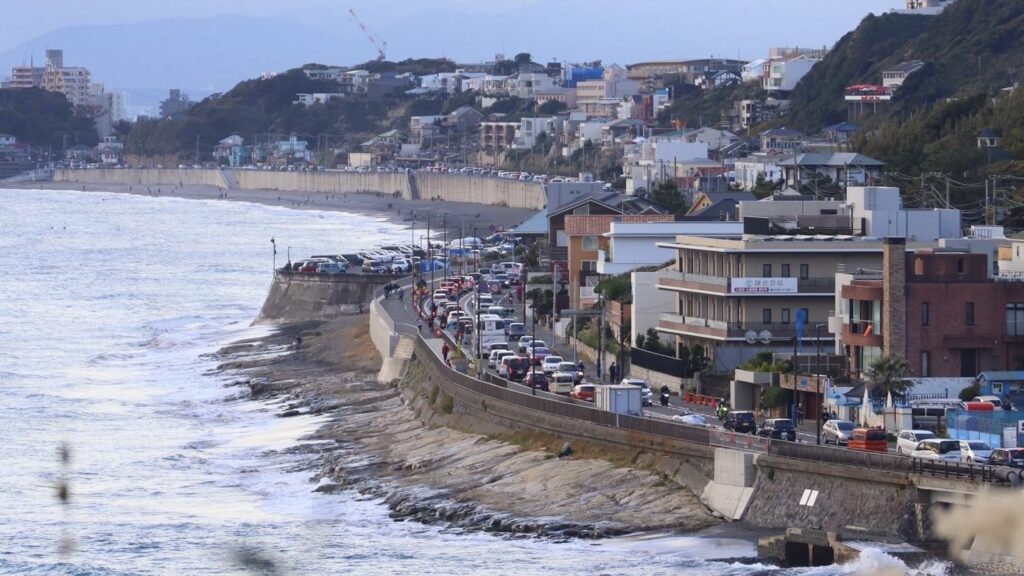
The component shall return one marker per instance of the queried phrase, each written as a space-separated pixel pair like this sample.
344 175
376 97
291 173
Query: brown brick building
946 316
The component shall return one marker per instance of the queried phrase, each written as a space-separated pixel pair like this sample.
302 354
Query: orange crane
381 46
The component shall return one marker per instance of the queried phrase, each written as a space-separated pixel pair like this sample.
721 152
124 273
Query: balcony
721 330
863 333
673 280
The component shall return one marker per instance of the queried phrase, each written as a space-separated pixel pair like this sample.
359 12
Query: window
785 316
1015 319
766 270
590 242
925 316
785 270
960 267
918 267
805 271
969 313
807 315
925 364
766 315
589 266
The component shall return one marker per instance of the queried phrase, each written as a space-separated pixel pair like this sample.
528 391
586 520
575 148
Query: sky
24 20
149 46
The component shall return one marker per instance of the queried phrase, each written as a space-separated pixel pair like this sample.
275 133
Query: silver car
837 432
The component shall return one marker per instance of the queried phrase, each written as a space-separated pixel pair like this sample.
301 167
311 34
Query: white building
785 73
633 245
527 85
7 140
893 76
881 210
308 100
329 74
749 169
531 128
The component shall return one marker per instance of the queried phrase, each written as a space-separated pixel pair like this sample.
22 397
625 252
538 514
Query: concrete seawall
297 297
413 185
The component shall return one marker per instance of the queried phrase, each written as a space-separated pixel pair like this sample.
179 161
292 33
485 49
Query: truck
620 399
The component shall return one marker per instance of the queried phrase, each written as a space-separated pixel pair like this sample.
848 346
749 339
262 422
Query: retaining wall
448 187
146 177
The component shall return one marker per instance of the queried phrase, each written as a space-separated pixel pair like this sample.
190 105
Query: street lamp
817 378
533 341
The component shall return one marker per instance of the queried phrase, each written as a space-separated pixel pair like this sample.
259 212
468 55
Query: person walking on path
444 352
419 325
401 294
800 413
611 373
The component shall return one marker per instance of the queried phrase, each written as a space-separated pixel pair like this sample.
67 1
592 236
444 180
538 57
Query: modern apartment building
74 82
739 296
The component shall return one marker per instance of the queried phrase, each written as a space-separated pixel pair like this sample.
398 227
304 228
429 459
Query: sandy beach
454 215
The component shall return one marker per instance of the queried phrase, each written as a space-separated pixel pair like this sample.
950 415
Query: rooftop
587 225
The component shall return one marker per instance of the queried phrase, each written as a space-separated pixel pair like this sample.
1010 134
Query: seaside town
791 287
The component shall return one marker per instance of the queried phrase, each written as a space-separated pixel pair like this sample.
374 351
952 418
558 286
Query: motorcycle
664 397
722 410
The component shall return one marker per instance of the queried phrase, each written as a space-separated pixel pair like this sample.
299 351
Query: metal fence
843 456
739 441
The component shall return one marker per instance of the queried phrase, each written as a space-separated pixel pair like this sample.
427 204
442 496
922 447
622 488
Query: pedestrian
800 413
444 352
611 372
419 325
401 294
298 342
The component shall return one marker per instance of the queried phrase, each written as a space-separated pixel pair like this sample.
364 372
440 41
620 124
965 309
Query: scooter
664 397
722 410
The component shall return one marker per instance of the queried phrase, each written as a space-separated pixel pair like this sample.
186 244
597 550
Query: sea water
109 307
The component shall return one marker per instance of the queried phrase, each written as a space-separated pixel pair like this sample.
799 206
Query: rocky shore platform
377 441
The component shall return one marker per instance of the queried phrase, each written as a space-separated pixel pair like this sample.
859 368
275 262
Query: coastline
378 445
397 210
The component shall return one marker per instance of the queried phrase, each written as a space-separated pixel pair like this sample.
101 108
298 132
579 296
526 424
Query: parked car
837 432
375 266
740 421
1012 457
995 400
647 396
938 449
332 268
868 439
535 379
550 364
907 440
496 356
777 428
583 392
400 266
976 452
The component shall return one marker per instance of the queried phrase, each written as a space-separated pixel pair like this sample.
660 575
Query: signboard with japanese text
763 286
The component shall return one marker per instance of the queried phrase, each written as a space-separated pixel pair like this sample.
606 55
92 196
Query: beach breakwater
406 185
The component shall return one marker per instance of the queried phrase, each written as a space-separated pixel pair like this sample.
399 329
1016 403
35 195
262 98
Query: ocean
111 305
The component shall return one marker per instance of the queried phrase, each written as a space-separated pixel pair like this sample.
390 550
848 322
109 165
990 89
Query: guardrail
497 388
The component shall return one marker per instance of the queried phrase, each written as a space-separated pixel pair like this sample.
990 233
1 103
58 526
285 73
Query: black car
740 421
777 428
1012 457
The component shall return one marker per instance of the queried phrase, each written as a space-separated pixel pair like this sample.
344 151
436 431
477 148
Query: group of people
392 289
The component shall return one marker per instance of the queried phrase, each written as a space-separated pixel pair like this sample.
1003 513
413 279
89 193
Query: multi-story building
739 296
938 308
498 136
26 77
785 72
687 70
74 82
894 75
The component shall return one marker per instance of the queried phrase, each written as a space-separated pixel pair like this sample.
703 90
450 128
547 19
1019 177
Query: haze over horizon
137 46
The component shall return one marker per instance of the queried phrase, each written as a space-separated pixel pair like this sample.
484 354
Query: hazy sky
22 21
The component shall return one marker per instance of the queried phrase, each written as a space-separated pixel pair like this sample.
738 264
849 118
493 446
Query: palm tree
889 374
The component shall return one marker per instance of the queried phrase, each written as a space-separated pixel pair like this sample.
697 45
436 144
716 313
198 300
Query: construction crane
380 47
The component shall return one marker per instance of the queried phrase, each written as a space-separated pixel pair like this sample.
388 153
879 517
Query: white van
561 382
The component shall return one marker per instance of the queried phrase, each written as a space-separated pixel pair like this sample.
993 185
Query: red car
538 354
583 392
536 380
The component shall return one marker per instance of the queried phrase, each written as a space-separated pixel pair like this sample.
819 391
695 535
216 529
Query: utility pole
947 194
444 225
430 259
986 194
600 339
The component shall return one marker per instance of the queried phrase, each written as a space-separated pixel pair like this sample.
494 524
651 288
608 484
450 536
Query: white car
976 452
907 440
495 358
939 449
837 432
550 364
525 343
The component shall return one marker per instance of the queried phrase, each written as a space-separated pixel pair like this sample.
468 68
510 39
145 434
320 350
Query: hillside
44 119
973 51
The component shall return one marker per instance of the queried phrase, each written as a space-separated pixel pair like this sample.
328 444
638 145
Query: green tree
523 58
698 361
668 195
889 374
970 392
551 107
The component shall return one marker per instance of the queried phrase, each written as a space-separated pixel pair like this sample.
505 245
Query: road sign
492 228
